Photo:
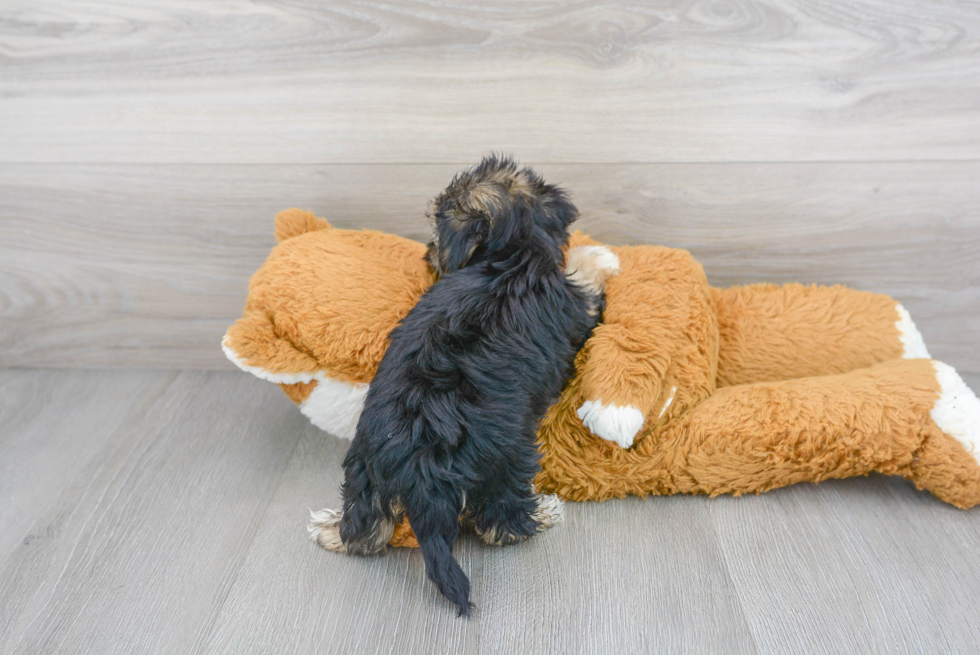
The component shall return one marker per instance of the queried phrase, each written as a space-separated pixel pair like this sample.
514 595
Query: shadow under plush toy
682 388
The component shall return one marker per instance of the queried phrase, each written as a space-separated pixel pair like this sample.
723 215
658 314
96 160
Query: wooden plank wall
145 147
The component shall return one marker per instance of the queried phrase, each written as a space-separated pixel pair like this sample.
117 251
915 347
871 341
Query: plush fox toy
682 388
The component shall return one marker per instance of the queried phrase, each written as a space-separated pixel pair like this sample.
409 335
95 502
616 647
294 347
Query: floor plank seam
731 579
207 628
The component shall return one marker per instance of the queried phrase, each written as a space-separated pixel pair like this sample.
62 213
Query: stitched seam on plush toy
283 337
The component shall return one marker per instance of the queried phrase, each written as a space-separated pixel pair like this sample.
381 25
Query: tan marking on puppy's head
468 215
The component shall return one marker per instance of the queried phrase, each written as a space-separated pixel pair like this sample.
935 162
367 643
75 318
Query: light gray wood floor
165 512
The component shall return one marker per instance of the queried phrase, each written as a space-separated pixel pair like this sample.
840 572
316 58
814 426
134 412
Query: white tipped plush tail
957 412
913 345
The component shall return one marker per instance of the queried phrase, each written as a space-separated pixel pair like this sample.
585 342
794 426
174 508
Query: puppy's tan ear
294 222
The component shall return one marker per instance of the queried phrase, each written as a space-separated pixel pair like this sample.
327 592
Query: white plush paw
324 528
957 412
611 422
590 266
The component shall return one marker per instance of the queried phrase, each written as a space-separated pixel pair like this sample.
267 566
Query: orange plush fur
682 388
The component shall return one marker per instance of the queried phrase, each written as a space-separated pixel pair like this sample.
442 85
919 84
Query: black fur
449 423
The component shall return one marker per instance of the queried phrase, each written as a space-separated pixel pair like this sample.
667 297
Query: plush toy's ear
294 222
253 345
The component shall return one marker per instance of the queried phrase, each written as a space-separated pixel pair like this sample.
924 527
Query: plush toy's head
488 209
319 311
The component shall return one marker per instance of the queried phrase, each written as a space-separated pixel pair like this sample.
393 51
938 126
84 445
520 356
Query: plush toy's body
691 388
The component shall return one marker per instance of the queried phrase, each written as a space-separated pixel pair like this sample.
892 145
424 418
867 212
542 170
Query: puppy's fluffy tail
443 569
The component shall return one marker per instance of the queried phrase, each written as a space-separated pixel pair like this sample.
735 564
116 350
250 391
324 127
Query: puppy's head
493 210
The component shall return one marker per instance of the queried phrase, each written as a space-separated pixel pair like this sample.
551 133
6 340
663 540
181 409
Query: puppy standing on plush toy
448 429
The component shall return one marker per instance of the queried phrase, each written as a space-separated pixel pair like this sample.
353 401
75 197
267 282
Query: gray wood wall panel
144 148
147 265
427 81
181 529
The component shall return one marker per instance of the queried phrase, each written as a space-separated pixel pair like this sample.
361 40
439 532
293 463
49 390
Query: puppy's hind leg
550 511
504 521
366 524
324 528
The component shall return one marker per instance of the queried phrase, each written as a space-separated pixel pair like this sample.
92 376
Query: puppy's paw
611 422
324 528
550 511
496 535
590 266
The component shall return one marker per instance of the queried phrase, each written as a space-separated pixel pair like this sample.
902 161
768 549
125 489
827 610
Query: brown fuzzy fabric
742 390
771 332
755 437
347 290
403 537
658 333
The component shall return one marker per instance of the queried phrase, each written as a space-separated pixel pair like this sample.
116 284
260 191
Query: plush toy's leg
501 521
771 332
913 418
655 352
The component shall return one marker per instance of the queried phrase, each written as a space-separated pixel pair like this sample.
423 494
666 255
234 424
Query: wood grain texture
43 416
135 548
820 569
553 594
425 81
324 602
181 528
147 265
144 150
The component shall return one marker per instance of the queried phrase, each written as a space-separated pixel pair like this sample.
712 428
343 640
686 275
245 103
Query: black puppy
448 427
